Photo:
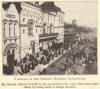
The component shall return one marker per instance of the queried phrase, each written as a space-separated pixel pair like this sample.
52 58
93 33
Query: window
62 21
10 29
59 20
15 40
4 29
23 31
44 28
5 41
30 28
14 29
51 27
23 19
5 21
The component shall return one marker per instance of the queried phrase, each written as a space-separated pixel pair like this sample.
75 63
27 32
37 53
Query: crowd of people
82 54
30 61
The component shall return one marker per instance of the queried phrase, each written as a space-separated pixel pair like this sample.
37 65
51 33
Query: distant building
29 28
74 22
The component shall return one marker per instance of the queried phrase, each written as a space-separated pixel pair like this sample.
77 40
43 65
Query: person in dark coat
10 62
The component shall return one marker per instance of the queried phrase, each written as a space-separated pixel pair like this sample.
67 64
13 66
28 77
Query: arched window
30 27
14 28
5 21
4 29
44 28
51 28
10 29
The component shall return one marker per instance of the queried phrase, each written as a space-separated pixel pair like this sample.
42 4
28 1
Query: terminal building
30 27
10 33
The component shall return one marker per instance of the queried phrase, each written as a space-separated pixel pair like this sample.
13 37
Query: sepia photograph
49 38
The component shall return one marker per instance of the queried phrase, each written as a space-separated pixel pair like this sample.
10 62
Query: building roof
34 4
50 6
46 6
7 5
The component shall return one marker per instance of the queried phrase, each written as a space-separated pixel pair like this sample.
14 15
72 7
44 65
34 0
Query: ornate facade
34 29
11 33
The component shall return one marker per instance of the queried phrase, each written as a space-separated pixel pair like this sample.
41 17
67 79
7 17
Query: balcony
48 35
8 38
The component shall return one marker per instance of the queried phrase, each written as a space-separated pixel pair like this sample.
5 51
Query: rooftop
50 6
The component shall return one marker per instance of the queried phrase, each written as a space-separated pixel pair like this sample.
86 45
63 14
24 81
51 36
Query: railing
12 37
48 34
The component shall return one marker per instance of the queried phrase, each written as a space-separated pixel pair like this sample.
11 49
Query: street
58 67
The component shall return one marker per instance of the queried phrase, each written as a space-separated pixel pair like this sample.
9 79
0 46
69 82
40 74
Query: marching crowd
80 54
79 58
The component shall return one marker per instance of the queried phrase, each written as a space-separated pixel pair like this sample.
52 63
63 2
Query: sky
86 13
